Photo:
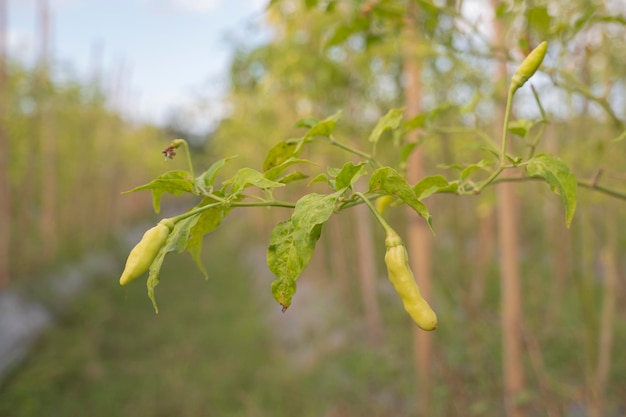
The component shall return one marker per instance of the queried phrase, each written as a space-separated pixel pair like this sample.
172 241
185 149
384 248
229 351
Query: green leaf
292 242
349 174
389 121
540 21
207 178
620 137
294 176
434 184
279 153
386 180
307 122
340 34
321 178
173 182
176 242
520 127
416 122
277 171
247 177
324 127
208 221
483 164
559 177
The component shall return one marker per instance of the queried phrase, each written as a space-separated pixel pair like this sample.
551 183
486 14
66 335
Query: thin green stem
193 212
505 124
352 150
198 210
273 203
186 145
491 178
381 220
589 184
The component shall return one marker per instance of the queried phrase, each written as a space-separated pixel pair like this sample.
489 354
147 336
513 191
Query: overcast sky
169 51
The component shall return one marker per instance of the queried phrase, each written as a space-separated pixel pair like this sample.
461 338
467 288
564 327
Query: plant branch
505 125
273 203
352 150
589 184
381 220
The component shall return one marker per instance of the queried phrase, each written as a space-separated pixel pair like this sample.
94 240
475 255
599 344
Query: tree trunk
482 262
367 275
48 153
339 259
5 197
511 298
419 236
608 261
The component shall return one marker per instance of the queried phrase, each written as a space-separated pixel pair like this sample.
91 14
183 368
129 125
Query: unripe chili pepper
141 256
402 279
382 203
529 66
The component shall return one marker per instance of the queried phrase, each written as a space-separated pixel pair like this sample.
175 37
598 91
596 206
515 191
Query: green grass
209 352
217 349
110 355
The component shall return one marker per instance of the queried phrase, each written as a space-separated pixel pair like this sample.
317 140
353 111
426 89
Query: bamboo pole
5 149
419 236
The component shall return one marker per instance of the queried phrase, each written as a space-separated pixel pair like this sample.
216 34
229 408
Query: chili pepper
529 66
141 256
382 203
402 279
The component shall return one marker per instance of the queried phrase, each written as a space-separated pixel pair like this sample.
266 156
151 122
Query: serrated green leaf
207 178
292 242
349 174
247 177
173 182
279 153
386 180
389 121
558 175
434 184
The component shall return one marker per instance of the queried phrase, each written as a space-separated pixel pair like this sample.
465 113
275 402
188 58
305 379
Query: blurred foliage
96 155
218 349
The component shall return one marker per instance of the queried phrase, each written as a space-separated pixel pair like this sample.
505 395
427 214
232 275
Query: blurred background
91 92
